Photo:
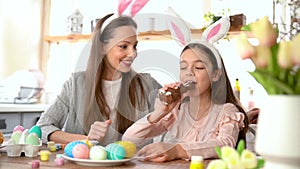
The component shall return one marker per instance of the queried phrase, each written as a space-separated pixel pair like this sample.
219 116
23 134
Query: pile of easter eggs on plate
114 151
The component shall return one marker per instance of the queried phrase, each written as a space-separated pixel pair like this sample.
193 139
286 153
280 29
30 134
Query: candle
35 163
59 161
44 155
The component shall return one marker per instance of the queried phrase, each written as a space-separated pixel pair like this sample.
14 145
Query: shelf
70 38
143 36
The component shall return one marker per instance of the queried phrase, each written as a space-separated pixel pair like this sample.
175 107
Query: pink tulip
285 54
296 49
262 56
245 49
264 31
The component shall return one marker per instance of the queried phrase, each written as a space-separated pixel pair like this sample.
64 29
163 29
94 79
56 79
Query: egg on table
19 128
1 137
37 130
15 137
130 148
32 139
23 137
69 148
98 153
115 151
81 151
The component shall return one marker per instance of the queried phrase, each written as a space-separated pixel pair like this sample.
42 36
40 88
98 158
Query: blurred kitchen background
29 59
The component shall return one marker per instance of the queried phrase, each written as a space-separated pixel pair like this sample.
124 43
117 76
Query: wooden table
25 163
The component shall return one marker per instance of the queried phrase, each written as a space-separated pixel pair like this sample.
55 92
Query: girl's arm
226 135
144 130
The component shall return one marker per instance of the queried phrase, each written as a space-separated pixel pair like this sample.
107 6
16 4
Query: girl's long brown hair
133 101
222 93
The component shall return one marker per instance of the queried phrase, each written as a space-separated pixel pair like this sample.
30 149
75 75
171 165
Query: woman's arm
54 118
64 137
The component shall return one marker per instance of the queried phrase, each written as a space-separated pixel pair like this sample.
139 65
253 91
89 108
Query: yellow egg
88 143
129 147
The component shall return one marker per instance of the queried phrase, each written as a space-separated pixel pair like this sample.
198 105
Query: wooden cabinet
26 115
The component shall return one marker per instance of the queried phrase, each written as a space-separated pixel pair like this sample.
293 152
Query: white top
111 91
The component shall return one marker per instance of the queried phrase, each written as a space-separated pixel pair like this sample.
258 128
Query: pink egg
81 151
19 128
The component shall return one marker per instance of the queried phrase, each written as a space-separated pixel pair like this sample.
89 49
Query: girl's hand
98 130
253 115
161 152
170 93
160 108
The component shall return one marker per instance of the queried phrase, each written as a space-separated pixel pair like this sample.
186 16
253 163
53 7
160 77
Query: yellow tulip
264 31
248 159
234 163
217 164
229 153
262 56
285 54
245 49
296 49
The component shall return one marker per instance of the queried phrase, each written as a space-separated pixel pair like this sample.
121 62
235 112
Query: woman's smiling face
122 51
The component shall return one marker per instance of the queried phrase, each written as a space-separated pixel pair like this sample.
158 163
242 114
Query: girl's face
196 68
122 51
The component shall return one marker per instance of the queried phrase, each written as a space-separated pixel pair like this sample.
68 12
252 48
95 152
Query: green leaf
246 28
218 151
241 147
272 84
260 163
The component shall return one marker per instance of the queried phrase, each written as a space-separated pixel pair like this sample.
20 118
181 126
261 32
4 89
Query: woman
103 101
206 116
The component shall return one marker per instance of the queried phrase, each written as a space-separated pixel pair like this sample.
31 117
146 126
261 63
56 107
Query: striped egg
115 151
69 148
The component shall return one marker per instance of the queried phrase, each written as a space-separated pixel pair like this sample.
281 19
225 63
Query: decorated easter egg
115 152
37 130
130 148
81 151
98 153
15 137
32 139
69 148
23 137
19 128
1 138
89 143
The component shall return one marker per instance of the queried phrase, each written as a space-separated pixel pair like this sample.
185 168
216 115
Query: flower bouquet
236 159
277 60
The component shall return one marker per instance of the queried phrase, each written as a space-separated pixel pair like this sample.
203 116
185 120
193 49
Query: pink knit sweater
219 127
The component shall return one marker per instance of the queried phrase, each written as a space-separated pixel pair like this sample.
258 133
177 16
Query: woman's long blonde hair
133 94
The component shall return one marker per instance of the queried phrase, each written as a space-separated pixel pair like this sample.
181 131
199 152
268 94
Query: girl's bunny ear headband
182 34
135 7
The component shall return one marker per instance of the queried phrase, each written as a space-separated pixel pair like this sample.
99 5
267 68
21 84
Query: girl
206 116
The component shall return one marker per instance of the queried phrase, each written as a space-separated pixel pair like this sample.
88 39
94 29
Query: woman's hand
98 130
161 152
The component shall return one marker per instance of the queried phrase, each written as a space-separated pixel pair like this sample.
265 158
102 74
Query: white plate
88 162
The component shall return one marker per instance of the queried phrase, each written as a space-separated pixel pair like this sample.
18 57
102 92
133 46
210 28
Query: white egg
98 153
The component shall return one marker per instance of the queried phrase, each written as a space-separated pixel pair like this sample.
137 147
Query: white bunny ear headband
135 7
182 34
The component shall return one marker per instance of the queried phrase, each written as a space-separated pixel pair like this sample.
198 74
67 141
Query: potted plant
277 61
